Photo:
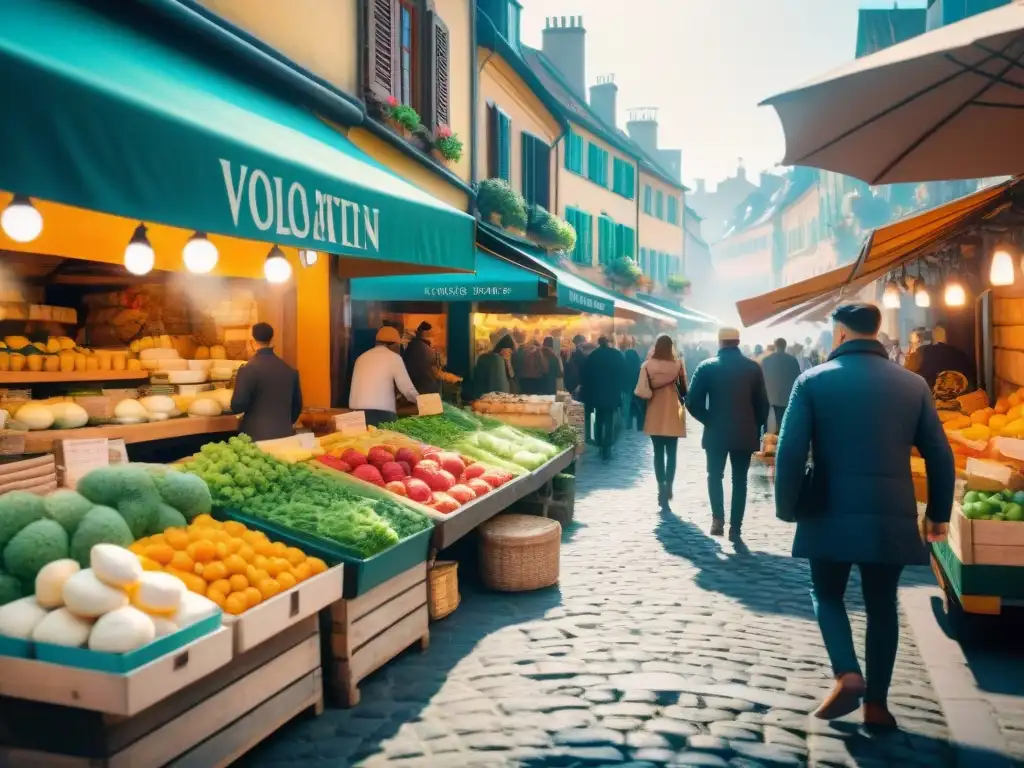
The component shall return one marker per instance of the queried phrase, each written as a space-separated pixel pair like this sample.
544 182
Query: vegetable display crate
211 721
370 630
456 525
986 542
361 574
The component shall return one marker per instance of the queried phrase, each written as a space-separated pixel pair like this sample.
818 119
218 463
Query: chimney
642 128
565 44
741 171
701 188
603 99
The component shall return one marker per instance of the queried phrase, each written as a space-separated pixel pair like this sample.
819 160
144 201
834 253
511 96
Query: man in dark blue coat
860 414
727 395
601 381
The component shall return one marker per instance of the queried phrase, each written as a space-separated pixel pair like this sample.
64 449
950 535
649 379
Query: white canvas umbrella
948 104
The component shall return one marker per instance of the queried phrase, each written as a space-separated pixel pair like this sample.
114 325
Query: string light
891 296
276 268
200 254
955 295
138 254
922 298
1002 271
21 221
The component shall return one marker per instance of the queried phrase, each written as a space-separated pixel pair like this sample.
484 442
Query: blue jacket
861 414
601 378
728 397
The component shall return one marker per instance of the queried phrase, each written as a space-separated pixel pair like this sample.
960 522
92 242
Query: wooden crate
986 542
37 474
212 722
370 630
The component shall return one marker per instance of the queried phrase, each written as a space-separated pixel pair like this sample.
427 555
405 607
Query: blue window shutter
648 195
504 146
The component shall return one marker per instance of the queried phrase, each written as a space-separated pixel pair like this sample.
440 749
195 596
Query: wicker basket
444 589
520 552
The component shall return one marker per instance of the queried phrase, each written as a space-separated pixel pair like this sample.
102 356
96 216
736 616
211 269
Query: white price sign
429 405
79 457
351 423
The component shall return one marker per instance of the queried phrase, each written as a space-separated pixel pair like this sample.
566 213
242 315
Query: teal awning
495 280
100 115
573 291
688 319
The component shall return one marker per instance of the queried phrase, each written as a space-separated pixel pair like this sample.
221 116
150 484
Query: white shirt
374 378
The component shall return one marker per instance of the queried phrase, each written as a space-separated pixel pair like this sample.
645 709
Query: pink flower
443 132
392 102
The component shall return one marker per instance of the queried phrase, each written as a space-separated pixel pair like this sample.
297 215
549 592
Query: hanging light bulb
1002 271
276 268
308 258
200 254
138 255
921 296
21 221
955 295
891 296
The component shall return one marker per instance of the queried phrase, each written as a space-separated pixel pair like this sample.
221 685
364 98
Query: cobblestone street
661 646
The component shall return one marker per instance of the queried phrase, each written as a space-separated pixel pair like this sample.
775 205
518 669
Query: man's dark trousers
780 411
740 463
604 429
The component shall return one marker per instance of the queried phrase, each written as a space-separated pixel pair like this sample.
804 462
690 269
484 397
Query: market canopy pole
948 104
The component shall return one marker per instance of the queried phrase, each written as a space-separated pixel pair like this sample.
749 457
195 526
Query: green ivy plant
495 196
447 144
550 230
623 271
403 115
678 283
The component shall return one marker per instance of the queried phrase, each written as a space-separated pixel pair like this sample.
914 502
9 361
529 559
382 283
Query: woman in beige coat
662 384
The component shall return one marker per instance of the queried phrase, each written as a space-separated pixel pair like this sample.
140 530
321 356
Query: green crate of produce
360 574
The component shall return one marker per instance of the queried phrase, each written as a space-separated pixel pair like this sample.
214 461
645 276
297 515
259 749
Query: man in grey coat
780 372
860 414
728 397
267 391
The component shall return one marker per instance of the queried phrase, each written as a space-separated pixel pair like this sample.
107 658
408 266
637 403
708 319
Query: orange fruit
192 582
286 580
215 571
204 521
316 565
277 566
252 538
235 564
264 548
216 596
302 571
268 588
198 534
294 555
222 550
182 562
234 528
236 603
176 537
238 582
261 561
246 552
253 596
160 553
149 565
139 547
198 569
202 551
234 545
277 549
221 585
157 538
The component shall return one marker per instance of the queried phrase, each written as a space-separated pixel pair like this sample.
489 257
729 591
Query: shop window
659 204
536 171
582 222
499 144
574 153
597 164
408 58
648 200
623 179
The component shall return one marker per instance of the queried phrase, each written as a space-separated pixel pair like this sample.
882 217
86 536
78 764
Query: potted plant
445 145
678 284
402 118
550 231
501 204
623 271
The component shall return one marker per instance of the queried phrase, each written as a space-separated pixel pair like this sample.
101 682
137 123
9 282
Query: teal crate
360 574
13 646
123 663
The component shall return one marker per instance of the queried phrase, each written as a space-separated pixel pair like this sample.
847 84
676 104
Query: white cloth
376 375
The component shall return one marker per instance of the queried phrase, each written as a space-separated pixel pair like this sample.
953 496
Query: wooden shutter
504 146
527 170
542 174
439 64
382 68
493 142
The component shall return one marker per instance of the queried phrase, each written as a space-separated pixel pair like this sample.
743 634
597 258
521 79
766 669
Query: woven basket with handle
444 589
520 552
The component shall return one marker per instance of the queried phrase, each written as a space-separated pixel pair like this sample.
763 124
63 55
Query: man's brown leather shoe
844 698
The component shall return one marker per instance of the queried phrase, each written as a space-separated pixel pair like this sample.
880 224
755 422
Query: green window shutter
587 254
659 204
597 164
574 152
629 242
643 260
503 164
648 196
526 170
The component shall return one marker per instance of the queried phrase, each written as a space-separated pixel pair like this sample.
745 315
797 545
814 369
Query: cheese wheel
158 593
158 354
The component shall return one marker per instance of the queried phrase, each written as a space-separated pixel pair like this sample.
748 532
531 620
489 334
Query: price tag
351 423
12 444
429 405
117 451
575 416
79 457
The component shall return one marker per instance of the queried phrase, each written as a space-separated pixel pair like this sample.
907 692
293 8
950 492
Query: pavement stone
660 646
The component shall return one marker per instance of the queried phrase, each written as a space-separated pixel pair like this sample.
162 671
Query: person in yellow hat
377 373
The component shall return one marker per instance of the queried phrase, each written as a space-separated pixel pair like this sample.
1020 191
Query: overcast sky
707 63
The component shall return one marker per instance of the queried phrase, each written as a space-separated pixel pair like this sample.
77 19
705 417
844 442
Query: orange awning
887 248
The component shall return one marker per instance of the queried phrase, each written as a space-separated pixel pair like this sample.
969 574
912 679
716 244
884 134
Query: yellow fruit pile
231 565
336 443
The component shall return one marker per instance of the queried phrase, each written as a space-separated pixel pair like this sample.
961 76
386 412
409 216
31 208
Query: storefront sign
284 209
351 423
586 302
468 292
